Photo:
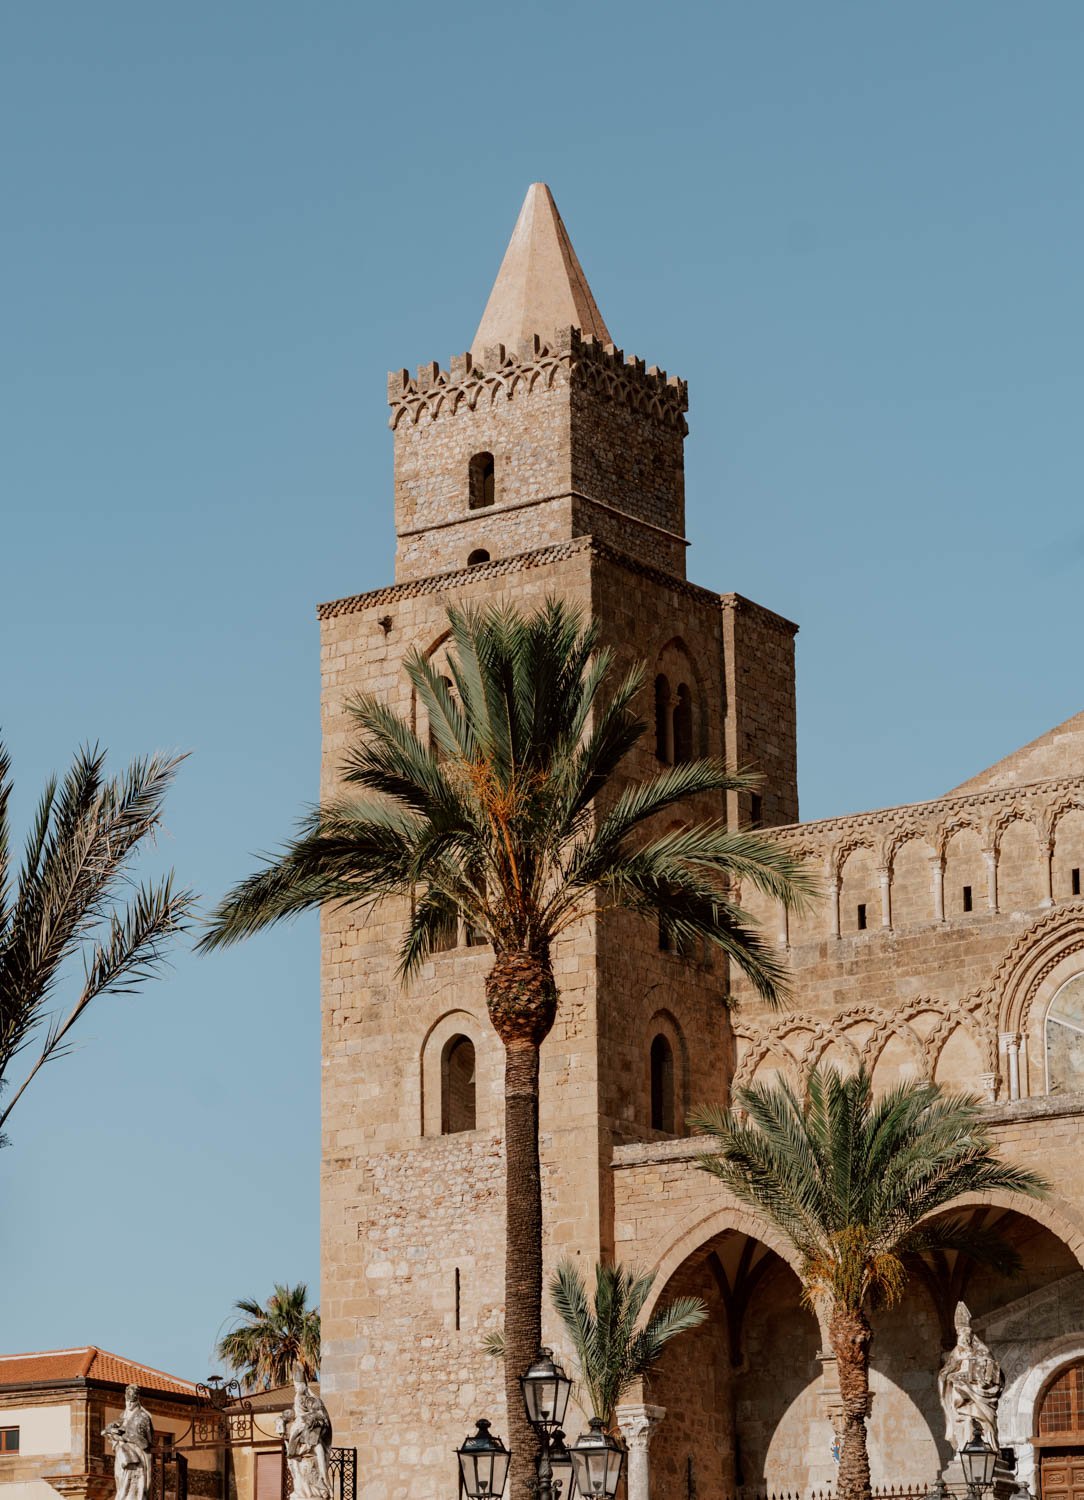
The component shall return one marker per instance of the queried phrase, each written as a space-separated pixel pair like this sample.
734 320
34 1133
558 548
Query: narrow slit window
967 898
756 809
683 726
483 487
662 1085
861 916
458 1290
1075 879
664 724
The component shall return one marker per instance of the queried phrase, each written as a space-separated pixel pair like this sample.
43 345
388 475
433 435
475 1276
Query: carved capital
638 1422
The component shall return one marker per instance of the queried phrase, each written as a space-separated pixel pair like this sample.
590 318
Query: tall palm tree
65 902
496 821
612 1352
273 1338
851 1181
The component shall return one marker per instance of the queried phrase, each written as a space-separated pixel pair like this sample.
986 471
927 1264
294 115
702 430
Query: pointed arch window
458 1102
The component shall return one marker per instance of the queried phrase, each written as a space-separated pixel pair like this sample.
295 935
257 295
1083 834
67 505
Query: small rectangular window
967 898
756 809
1076 882
9 1440
861 916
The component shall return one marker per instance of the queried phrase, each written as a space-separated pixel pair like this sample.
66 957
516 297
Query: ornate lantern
561 1468
545 1392
483 1463
597 1460
977 1459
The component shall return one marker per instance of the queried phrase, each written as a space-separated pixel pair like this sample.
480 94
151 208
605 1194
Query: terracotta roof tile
88 1363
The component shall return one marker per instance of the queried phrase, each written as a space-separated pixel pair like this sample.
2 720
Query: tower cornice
503 373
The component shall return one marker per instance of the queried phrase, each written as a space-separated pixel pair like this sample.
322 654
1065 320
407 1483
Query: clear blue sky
856 229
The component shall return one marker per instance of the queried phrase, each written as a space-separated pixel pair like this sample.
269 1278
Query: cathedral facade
949 944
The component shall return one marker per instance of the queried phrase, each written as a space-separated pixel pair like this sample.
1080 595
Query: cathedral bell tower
541 461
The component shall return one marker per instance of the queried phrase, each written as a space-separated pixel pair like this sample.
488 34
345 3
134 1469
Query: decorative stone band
541 557
571 358
988 813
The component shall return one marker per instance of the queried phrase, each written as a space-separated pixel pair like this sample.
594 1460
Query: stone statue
306 1428
132 1437
969 1385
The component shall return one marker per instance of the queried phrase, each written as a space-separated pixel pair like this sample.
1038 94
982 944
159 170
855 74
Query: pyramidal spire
540 285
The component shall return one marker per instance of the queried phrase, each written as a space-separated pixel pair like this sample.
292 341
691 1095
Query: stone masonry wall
571 421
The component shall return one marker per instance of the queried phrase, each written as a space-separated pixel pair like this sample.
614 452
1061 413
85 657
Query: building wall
943 935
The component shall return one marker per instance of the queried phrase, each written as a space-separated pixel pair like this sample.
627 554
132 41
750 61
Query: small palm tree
852 1182
65 902
613 1354
496 821
273 1338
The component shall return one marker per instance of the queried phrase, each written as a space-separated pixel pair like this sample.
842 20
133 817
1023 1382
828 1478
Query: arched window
434 746
1065 1039
683 725
664 724
479 555
482 481
457 1088
662 1085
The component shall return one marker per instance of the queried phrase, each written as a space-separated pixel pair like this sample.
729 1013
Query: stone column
784 926
1048 874
991 878
937 875
836 882
886 898
1010 1045
637 1423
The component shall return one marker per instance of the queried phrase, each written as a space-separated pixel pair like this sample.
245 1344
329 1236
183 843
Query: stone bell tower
540 461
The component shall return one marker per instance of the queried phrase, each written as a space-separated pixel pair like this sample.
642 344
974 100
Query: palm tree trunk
522 1001
850 1335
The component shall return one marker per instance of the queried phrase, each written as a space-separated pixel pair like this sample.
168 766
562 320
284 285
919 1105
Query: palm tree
273 1338
496 821
613 1354
851 1181
64 902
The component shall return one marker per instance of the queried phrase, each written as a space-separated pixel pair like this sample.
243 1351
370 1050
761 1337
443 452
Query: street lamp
545 1389
977 1459
564 1477
483 1464
596 1460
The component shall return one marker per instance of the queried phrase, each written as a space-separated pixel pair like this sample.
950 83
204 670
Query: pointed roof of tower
540 285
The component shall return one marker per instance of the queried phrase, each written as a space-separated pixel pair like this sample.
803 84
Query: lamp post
596 1460
977 1459
483 1464
546 1388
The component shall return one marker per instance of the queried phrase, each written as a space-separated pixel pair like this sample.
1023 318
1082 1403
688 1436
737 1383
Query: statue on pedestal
132 1436
306 1429
970 1386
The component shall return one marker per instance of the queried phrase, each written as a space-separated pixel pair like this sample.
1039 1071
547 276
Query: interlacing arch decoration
1005 820
842 853
802 1040
600 368
1031 959
1057 811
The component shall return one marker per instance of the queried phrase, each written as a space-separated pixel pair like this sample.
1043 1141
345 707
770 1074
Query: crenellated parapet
503 373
